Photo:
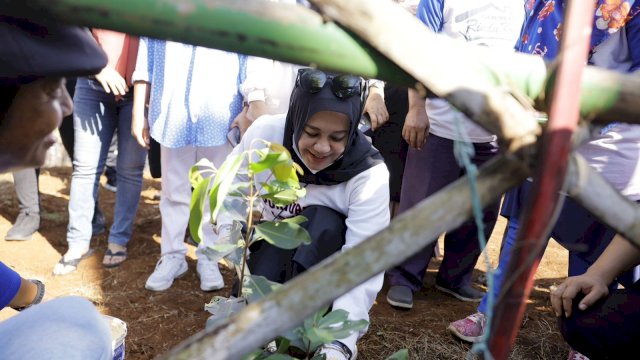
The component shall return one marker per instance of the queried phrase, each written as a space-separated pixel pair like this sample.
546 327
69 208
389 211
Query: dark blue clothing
427 171
9 285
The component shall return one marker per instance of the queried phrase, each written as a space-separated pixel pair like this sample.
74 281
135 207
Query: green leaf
299 219
402 354
268 162
319 357
347 328
221 308
256 287
282 198
218 251
223 181
196 209
283 344
295 337
235 237
334 317
196 171
284 171
283 234
317 337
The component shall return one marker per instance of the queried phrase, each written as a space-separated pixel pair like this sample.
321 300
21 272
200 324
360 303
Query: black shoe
26 224
464 293
112 181
98 223
400 296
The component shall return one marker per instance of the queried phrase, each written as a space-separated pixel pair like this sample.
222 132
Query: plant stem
248 235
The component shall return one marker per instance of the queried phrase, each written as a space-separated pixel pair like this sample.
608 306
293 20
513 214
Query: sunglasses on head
342 86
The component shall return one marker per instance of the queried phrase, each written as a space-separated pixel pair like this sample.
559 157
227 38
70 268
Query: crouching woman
346 181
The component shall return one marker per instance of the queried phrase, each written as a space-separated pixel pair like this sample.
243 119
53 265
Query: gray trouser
26 184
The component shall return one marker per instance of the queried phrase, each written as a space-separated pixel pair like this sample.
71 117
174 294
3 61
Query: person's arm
141 79
375 105
17 292
416 125
254 91
139 120
618 257
112 81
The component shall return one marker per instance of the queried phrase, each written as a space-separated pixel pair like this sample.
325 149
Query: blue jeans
97 115
63 328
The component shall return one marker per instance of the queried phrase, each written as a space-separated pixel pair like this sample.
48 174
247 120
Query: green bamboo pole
286 32
292 33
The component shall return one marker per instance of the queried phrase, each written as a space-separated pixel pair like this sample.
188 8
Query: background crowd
139 101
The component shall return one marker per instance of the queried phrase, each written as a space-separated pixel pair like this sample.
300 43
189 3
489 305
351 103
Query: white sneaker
210 277
336 351
168 268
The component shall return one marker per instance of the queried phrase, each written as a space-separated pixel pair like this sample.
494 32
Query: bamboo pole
295 34
606 96
544 203
300 297
589 189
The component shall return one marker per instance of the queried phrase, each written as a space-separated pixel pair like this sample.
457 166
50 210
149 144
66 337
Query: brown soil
158 321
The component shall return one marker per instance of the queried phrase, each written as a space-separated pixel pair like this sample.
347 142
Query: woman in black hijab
346 182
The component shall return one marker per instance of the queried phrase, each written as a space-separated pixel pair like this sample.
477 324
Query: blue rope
463 151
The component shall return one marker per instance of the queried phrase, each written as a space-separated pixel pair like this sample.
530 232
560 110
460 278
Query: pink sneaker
574 355
470 328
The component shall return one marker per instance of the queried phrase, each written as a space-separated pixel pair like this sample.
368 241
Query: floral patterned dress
543 28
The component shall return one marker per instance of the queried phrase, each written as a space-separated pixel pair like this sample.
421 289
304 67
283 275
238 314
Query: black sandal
122 253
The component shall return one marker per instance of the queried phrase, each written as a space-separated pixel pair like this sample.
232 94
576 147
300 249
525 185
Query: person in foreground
64 328
33 101
594 321
346 181
33 97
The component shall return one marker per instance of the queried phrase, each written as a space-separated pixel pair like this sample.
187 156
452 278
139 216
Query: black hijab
359 155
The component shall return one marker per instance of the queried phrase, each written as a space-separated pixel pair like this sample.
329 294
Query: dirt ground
158 321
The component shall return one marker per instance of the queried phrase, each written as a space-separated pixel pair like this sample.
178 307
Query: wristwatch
39 295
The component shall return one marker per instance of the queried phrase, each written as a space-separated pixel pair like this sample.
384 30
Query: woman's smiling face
323 139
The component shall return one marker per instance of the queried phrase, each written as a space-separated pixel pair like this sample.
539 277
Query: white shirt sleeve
368 214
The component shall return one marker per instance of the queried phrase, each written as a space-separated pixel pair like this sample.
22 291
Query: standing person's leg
426 171
130 166
28 220
67 137
388 139
209 272
110 171
94 121
471 328
174 209
66 127
63 328
461 246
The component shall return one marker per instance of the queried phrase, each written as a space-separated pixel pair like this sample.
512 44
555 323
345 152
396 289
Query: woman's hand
594 286
416 127
112 81
376 108
139 120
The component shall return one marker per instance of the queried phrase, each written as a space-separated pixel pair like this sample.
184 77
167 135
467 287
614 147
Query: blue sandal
122 254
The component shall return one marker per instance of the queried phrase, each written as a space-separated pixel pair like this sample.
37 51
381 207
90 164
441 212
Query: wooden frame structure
368 37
